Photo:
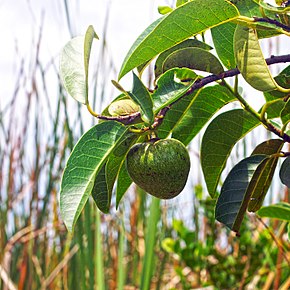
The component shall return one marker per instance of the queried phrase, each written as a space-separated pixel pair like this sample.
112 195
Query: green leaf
283 80
223 39
233 199
74 63
264 174
279 211
158 69
164 9
218 140
85 162
250 60
104 182
199 111
285 113
193 58
181 2
142 97
185 21
285 172
171 86
123 183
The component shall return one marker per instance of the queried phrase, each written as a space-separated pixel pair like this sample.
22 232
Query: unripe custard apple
160 167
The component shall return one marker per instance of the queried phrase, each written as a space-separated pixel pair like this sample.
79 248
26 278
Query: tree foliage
183 102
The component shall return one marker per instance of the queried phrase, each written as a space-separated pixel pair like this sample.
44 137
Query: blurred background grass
39 125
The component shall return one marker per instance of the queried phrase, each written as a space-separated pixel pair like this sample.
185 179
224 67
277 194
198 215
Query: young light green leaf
158 69
193 58
199 112
235 194
74 63
285 172
141 96
264 174
164 9
183 22
218 140
279 211
83 165
171 86
250 60
104 182
223 39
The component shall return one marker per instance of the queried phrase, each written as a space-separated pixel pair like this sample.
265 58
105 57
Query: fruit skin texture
159 167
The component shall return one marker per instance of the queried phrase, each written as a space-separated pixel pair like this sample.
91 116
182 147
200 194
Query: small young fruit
160 167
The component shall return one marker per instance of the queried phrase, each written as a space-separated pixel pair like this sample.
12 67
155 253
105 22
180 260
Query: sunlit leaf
193 58
264 174
183 22
164 9
218 140
142 97
85 162
158 69
250 60
74 63
172 85
235 194
198 112
279 211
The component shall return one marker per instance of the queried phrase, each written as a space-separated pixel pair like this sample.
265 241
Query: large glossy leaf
185 21
142 97
74 63
285 172
105 179
199 111
279 211
223 39
235 194
188 43
264 174
250 60
171 86
193 58
85 162
218 140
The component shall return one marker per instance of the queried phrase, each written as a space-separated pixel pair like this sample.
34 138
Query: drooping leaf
171 85
285 113
223 39
279 211
218 140
142 97
198 112
83 165
158 69
285 172
264 174
104 182
193 58
233 199
250 60
123 183
74 63
183 22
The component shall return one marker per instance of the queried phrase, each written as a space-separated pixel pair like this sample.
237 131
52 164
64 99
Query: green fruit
123 108
160 167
